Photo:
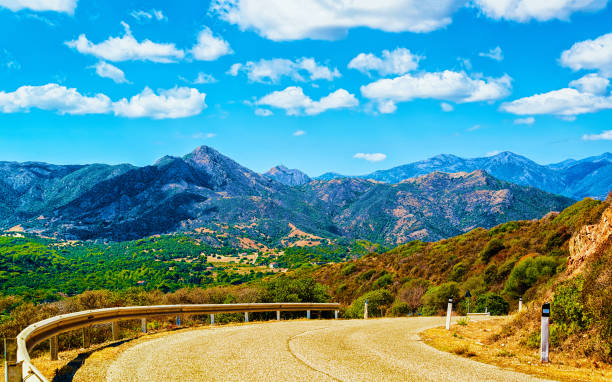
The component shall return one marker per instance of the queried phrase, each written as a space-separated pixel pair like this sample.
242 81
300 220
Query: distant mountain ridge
577 179
205 188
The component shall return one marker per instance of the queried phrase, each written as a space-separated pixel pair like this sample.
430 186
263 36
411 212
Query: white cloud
204 78
524 121
127 48
293 20
591 83
563 102
590 54
371 157
295 102
446 85
299 133
446 107
494 54
8 61
141 15
172 103
474 128
106 70
53 97
203 135
541 10
209 47
65 6
272 71
606 135
263 112
398 61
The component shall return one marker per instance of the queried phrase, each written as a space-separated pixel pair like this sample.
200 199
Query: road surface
315 350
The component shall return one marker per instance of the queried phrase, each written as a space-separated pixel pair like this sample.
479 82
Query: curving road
316 350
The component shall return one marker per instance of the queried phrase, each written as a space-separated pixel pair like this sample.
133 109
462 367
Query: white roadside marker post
449 311
365 310
544 334
520 304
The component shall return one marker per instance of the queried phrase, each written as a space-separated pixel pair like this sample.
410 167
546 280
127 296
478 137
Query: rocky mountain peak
289 177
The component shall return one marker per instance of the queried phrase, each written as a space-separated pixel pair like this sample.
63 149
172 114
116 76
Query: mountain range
576 179
203 188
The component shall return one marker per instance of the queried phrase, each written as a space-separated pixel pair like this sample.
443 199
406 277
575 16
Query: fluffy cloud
127 48
295 102
172 103
53 97
299 133
271 71
494 54
590 54
591 83
541 10
446 107
524 121
398 61
606 135
263 112
204 78
371 157
292 20
65 6
562 102
106 70
446 85
209 47
141 15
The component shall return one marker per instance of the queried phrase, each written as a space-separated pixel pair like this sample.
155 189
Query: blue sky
320 86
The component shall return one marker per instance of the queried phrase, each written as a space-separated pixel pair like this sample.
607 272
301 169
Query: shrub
458 271
348 269
412 292
378 301
494 303
366 275
294 289
436 298
490 274
493 247
383 281
400 309
567 308
527 272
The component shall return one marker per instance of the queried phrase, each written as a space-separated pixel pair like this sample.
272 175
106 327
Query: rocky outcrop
286 176
590 241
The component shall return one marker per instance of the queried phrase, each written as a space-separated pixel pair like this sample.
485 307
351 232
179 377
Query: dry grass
476 341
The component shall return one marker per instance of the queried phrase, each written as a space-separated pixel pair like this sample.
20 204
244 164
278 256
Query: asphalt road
315 350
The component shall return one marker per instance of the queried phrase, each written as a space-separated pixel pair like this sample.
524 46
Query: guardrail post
13 371
449 311
143 325
115 330
212 319
278 315
178 320
544 332
86 337
308 314
246 316
53 345
335 314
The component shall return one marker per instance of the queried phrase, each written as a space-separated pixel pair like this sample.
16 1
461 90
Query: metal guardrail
18 366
